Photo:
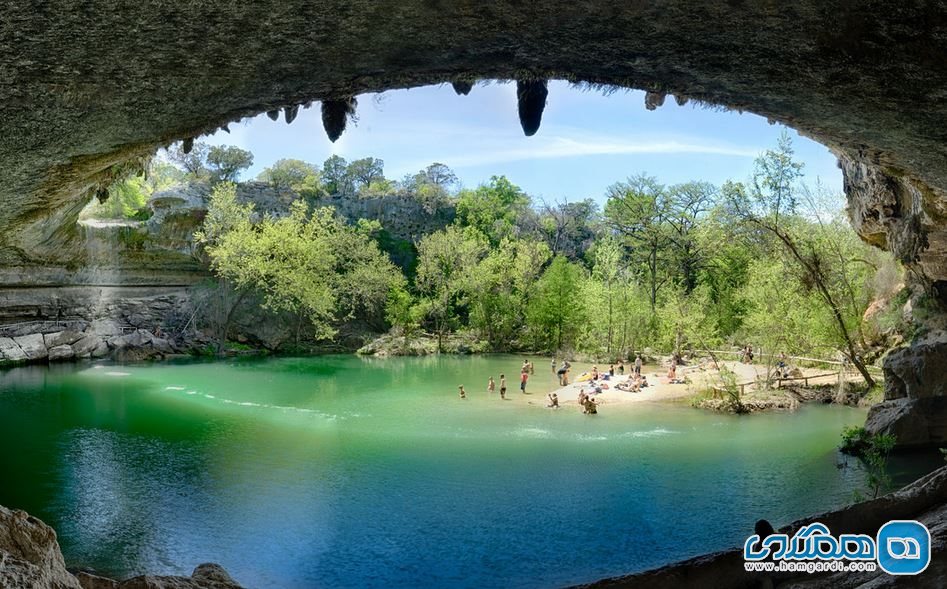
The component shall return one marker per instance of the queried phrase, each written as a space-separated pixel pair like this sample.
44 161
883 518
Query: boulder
913 422
61 353
917 370
205 576
136 339
33 346
104 328
85 346
29 554
61 338
101 350
11 351
162 345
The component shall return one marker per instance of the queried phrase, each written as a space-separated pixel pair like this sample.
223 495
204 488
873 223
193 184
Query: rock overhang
91 88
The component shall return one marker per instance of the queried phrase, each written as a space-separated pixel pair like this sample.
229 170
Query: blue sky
587 140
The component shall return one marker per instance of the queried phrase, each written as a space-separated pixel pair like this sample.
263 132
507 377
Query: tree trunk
827 297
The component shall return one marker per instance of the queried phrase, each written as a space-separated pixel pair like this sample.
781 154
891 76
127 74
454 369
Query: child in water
463 393
553 400
491 385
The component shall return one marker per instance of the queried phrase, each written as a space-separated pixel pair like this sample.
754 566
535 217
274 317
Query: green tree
193 163
227 161
556 312
309 262
770 206
504 285
492 208
446 260
363 172
607 266
292 174
335 177
638 209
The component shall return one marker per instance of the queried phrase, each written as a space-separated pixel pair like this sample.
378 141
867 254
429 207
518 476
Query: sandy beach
658 389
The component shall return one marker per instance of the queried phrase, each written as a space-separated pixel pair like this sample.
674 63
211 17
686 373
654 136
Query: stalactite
531 101
335 114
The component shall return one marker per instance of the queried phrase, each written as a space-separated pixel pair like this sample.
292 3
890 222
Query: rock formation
30 559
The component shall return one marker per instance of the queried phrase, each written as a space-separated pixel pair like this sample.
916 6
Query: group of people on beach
586 399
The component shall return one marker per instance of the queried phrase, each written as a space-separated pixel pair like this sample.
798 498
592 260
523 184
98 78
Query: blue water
347 472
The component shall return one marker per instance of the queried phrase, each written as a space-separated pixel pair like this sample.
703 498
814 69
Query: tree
500 295
432 185
570 227
492 208
687 205
608 264
309 262
638 209
769 205
193 162
556 312
335 176
363 172
446 260
227 161
402 312
292 174
439 175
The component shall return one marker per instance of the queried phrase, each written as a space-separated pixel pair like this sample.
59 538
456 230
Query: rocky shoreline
30 558
787 398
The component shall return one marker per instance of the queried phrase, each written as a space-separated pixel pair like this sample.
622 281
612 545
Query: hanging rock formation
335 115
531 101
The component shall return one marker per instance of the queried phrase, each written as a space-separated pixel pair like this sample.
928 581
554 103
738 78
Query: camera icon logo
904 547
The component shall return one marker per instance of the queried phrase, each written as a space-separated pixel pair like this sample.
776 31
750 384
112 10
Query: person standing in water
523 378
463 393
503 386
491 385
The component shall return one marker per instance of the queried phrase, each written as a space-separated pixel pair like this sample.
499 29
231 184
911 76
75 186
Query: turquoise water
349 472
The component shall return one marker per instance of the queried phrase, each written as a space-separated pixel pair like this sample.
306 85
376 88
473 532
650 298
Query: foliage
557 314
193 162
446 261
492 208
292 174
875 458
128 198
687 267
308 262
227 161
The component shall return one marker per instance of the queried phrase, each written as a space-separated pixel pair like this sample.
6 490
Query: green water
349 472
